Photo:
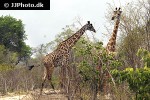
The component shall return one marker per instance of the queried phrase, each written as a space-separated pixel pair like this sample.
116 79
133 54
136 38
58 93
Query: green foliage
92 54
12 35
7 57
138 80
87 71
89 59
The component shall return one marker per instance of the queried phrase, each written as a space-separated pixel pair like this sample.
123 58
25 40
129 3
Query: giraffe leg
51 82
50 71
43 81
66 66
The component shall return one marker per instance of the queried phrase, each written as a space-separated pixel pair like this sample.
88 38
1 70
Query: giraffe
112 41
61 52
111 45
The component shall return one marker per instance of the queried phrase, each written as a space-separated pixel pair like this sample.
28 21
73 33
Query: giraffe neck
112 41
67 44
71 41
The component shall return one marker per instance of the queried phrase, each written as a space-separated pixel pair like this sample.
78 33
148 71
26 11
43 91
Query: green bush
138 80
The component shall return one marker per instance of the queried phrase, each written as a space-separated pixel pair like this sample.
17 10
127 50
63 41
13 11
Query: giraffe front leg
43 81
67 69
50 72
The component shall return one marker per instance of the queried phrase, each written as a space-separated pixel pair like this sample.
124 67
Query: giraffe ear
88 22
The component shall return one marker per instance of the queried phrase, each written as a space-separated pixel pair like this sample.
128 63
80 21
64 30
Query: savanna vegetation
129 66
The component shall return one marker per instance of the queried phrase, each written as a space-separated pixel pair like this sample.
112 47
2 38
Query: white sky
42 26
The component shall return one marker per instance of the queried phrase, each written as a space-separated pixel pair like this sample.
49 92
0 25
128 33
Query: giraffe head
90 27
117 13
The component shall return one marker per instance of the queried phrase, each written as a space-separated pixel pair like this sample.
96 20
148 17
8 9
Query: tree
134 32
12 36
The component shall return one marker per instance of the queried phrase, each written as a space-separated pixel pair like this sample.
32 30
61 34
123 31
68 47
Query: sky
42 26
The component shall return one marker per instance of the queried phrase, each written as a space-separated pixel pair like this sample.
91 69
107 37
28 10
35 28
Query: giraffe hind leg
44 79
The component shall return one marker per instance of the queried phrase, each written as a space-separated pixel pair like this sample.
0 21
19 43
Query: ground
34 95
